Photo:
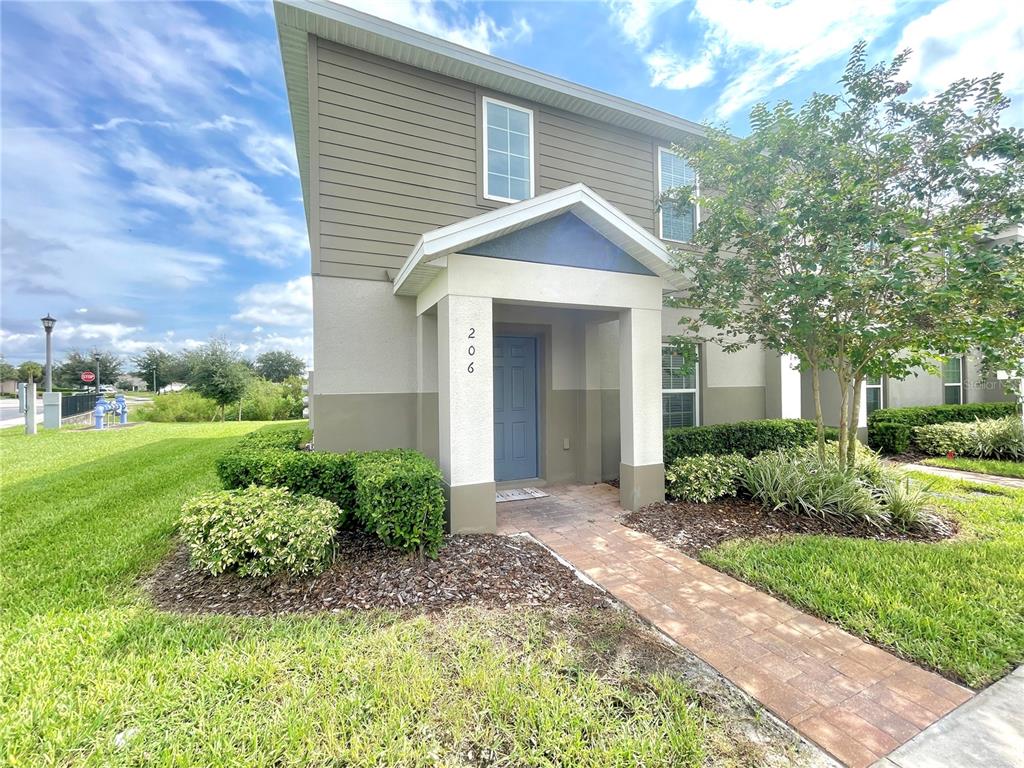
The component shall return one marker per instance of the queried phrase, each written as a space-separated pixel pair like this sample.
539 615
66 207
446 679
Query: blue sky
149 188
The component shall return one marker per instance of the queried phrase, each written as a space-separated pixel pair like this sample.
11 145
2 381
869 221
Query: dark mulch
911 456
693 528
488 571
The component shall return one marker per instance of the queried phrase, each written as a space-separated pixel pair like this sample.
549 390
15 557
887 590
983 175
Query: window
873 394
508 152
953 381
673 172
678 390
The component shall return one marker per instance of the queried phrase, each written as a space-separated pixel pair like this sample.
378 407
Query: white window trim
959 385
661 208
880 386
695 390
533 149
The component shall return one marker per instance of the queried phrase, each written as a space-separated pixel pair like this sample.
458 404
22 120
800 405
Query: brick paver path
854 700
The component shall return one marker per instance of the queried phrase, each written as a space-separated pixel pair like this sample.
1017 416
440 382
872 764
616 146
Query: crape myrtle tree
857 232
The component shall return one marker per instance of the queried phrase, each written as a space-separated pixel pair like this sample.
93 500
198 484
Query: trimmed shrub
399 498
890 437
704 478
989 439
747 438
260 531
177 406
918 416
286 438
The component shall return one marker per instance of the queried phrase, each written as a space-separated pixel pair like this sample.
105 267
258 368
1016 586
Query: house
489 266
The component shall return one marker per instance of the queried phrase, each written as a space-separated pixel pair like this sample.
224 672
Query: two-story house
489 264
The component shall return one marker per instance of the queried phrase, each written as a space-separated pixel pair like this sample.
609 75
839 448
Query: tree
278 365
218 373
30 370
68 372
7 371
154 364
857 232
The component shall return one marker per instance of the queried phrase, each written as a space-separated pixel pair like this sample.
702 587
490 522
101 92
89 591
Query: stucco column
641 471
783 391
589 470
465 350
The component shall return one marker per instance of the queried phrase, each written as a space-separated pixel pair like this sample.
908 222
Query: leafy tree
278 365
68 372
161 366
858 233
30 370
7 371
218 373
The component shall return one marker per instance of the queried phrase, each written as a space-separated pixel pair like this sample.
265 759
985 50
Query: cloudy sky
149 187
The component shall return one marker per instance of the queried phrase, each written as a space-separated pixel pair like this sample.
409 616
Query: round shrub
704 478
890 437
260 531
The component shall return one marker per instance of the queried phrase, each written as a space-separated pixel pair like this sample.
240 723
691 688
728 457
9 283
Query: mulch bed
487 571
693 528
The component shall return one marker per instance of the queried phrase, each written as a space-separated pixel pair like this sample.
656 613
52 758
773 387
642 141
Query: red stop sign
88 377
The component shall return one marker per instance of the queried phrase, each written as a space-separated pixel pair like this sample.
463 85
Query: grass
955 606
985 466
92 674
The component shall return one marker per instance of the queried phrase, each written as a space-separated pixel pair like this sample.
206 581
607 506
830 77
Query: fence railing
73 405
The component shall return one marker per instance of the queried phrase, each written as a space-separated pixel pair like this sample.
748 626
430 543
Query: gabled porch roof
429 256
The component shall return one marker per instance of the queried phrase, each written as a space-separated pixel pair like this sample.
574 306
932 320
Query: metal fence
73 405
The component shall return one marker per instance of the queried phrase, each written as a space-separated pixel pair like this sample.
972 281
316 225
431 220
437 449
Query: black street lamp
48 323
96 365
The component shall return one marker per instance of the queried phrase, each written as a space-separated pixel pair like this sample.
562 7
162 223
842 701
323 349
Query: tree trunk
851 446
818 418
844 413
239 410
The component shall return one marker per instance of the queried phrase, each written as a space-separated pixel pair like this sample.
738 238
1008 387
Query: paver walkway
854 700
960 474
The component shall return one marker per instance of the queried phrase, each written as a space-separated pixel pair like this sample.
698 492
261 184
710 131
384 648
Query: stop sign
88 377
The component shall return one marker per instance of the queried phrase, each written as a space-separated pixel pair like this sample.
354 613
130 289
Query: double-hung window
679 390
508 151
677 224
873 397
953 381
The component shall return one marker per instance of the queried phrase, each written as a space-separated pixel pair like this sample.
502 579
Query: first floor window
953 381
873 393
674 171
508 151
678 389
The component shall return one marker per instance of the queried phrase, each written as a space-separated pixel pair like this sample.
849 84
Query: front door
515 407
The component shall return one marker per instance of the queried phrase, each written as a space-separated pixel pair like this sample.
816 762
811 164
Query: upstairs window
953 381
508 151
674 171
678 390
873 394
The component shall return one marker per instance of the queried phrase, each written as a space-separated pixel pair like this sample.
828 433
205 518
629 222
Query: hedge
748 438
898 439
394 494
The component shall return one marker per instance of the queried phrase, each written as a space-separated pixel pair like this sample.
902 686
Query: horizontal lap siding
398 156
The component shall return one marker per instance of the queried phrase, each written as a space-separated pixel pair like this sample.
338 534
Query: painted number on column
471 350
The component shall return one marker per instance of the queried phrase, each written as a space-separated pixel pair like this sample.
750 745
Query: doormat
519 494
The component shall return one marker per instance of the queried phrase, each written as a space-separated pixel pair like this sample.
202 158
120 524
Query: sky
148 189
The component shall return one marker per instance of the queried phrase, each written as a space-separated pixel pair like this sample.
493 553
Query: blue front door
515 407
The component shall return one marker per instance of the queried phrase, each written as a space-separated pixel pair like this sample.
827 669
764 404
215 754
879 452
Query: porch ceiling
428 258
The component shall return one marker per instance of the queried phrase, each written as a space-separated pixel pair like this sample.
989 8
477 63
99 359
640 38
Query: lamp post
48 323
96 365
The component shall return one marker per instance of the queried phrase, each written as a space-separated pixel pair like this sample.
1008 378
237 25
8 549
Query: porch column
465 349
782 386
641 471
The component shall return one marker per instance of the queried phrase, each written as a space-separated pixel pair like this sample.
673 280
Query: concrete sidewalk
986 731
959 474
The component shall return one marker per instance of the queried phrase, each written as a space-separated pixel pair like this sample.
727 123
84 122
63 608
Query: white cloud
272 154
482 33
288 304
764 42
963 38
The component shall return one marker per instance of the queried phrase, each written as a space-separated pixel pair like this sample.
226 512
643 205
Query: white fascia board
577 198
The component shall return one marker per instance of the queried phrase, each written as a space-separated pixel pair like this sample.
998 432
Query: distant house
9 387
489 267
174 386
132 384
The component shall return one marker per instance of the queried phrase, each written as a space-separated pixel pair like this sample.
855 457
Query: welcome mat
519 494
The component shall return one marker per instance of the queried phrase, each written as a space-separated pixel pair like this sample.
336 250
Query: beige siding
397 154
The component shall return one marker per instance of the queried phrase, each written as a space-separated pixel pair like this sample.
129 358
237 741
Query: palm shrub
704 478
260 531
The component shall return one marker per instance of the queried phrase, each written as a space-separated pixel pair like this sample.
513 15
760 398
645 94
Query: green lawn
986 466
956 606
92 674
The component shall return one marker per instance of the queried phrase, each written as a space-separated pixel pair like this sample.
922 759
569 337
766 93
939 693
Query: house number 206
471 350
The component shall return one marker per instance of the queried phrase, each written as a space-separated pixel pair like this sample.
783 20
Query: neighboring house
489 265
174 386
132 384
